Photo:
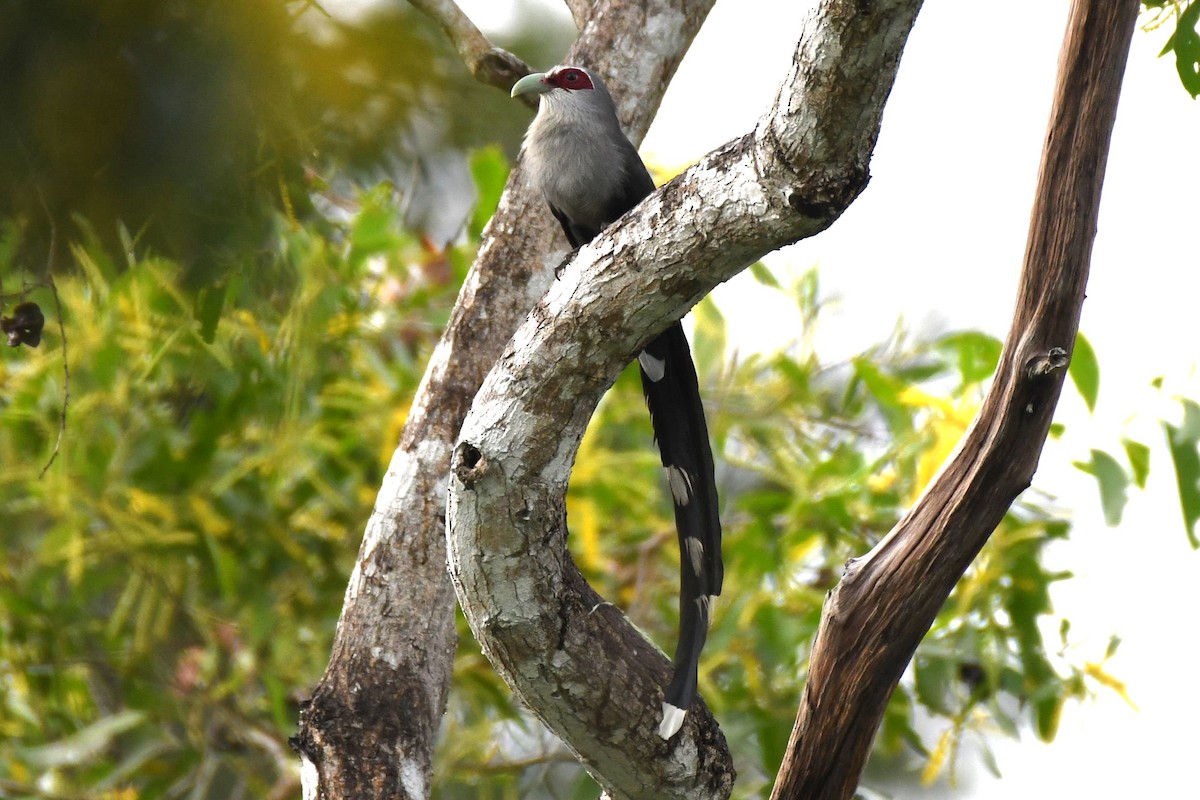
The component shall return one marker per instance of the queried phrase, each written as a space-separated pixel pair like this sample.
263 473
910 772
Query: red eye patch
570 78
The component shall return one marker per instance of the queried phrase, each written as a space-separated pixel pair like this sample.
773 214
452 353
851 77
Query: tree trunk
885 603
371 725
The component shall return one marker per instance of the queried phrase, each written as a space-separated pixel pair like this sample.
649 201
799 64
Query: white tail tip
655 368
672 721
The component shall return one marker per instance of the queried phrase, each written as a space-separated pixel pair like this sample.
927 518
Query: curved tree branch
488 64
370 727
574 660
874 619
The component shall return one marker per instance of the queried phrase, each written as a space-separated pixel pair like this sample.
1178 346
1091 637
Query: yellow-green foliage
184 558
172 583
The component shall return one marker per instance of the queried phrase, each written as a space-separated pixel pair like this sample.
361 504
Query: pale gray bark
574 660
580 9
370 727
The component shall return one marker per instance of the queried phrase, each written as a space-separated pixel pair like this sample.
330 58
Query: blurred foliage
1118 472
173 581
171 585
194 123
817 462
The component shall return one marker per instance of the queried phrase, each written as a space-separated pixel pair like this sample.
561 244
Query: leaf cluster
172 584
1184 41
816 463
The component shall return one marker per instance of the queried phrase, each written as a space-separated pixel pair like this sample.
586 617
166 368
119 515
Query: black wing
577 235
636 186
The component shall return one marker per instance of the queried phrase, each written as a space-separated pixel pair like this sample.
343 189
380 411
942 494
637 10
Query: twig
16 789
288 781
62 331
488 63
66 400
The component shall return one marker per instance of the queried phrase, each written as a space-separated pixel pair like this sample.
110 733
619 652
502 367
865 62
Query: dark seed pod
24 326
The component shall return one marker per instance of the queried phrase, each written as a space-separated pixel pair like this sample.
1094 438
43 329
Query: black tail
673 395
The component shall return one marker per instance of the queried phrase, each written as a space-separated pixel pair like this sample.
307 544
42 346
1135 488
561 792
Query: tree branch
874 619
370 727
488 64
580 11
539 622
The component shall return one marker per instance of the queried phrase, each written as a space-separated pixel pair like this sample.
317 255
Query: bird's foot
562 265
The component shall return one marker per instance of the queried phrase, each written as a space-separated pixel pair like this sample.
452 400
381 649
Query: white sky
937 239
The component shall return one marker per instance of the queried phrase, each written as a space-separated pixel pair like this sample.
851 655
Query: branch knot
469 464
1047 363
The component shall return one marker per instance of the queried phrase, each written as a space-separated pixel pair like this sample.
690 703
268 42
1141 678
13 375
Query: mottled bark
576 661
580 9
874 619
370 727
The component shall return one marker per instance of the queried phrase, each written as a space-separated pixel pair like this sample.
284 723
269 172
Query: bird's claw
562 265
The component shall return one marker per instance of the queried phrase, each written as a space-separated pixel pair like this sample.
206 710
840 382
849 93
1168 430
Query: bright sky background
937 240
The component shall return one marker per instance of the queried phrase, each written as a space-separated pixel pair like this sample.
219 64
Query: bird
590 175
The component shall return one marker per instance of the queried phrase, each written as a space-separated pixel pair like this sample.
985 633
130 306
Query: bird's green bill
530 84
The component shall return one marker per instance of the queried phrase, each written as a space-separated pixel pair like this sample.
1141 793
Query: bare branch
874 619
538 621
488 63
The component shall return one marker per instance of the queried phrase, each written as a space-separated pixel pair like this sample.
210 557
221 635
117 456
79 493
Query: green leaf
1139 460
708 337
763 275
373 230
1049 713
886 391
1113 481
225 567
806 293
975 354
1182 442
209 303
933 677
989 761
489 169
1113 643
1085 371
1186 44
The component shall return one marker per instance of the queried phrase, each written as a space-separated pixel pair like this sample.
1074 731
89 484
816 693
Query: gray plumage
580 159
590 174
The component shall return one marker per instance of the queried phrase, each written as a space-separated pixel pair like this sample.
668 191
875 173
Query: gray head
575 151
568 90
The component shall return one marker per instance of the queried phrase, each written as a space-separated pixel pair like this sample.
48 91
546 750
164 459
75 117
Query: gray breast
576 162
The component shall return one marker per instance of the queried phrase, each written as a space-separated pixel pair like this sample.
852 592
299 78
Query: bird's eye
572 77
